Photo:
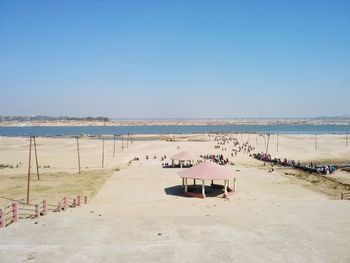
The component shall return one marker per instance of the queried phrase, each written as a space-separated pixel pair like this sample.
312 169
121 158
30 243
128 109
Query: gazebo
208 171
181 158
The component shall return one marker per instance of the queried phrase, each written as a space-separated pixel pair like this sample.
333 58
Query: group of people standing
311 168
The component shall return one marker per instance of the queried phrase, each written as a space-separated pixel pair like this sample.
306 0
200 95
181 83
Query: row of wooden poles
32 143
13 212
130 138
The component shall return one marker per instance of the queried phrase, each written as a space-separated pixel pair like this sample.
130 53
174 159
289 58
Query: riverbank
180 122
59 156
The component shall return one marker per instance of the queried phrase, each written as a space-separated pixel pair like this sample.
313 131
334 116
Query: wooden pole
127 141
114 146
203 188
122 142
15 212
2 219
268 142
103 151
277 142
78 150
29 162
316 142
36 159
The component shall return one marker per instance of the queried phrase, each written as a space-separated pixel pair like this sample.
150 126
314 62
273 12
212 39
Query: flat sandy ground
139 213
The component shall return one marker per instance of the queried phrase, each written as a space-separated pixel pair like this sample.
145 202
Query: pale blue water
74 130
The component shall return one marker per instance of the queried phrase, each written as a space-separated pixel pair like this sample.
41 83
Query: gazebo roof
183 156
207 171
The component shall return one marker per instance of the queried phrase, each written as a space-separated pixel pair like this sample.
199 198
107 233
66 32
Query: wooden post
37 211
78 150
122 142
316 142
36 159
85 199
65 203
268 142
103 151
127 141
234 184
59 206
114 146
29 163
15 212
45 210
256 139
78 200
194 182
2 219
277 142
203 188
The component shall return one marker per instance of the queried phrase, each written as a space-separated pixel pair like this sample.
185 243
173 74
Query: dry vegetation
317 182
52 186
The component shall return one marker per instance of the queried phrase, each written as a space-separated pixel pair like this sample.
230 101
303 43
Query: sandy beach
137 212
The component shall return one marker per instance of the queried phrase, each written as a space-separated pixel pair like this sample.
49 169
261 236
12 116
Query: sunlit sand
140 214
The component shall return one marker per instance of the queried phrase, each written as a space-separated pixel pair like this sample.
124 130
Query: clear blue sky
175 58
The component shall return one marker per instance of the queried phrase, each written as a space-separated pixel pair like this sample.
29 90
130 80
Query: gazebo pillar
225 187
194 182
172 163
203 188
185 184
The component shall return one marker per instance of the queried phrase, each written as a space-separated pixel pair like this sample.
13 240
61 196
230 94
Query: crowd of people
178 165
246 148
216 158
311 168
